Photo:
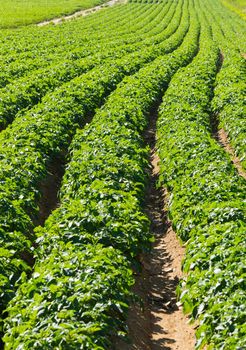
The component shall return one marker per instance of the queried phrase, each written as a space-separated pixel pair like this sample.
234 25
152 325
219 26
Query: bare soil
158 323
49 188
80 13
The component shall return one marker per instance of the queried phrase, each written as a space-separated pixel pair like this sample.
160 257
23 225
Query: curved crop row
24 65
34 139
94 29
230 86
29 90
64 45
229 102
232 26
68 48
26 14
206 206
22 40
107 174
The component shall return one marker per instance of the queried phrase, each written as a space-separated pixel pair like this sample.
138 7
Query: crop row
205 205
34 139
229 101
101 198
29 90
23 40
77 49
126 21
233 28
63 47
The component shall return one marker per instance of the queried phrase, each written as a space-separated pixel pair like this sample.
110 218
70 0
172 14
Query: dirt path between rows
80 13
159 324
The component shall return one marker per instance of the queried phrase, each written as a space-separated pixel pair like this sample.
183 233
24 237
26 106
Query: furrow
206 204
101 198
34 139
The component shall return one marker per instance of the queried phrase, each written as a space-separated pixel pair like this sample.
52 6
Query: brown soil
244 55
79 13
158 323
223 140
49 191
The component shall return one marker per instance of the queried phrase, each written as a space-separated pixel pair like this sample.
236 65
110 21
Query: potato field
78 103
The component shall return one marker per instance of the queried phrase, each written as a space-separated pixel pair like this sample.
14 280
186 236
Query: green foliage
101 198
75 296
27 91
43 133
229 102
20 13
239 6
78 292
206 205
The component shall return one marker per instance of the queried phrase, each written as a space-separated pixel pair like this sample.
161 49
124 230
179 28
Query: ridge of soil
158 323
80 13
